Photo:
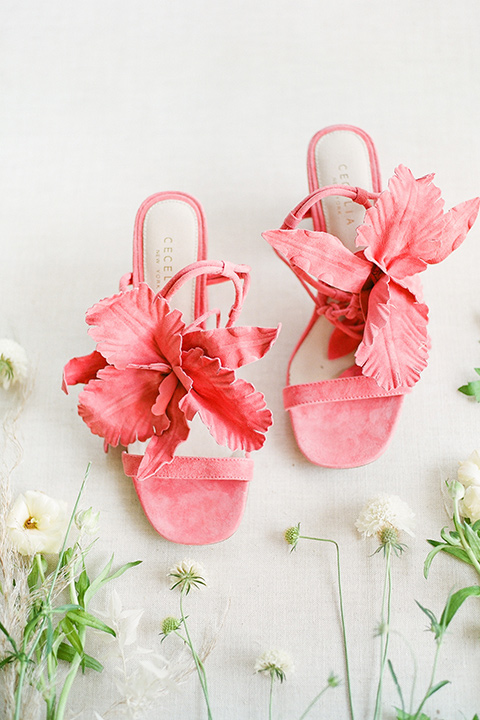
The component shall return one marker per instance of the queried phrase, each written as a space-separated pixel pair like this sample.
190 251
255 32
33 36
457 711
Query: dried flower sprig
187 574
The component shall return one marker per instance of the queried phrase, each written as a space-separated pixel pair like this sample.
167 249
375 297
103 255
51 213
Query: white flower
275 662
469 470
124 622
37 523
470 505
87 521
384 512
13 363
187 574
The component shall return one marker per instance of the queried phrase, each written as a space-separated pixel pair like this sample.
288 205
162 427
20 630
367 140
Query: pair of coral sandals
162 357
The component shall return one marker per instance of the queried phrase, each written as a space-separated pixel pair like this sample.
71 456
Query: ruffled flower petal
136 328
118 405
234 346
161 448
394 349
82 369
320 256
234 412
407 228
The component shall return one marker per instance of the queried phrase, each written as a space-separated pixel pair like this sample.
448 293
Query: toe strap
356 387
196 468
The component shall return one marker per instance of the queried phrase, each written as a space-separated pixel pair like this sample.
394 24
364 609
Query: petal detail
82 369
136 328
161 448
234 412
118 405
234 346
394 349
319 255
407 228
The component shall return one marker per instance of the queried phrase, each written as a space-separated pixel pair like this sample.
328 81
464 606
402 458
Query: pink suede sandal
366 343
156 367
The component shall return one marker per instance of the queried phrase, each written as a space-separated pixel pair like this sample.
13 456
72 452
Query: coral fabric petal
82 369
117 406
453 228
394 349
137 328
400 223
234 412
322 256
161 448
341 344
233 346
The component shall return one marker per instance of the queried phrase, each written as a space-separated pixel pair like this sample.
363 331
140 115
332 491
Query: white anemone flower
469 506
383 513
14 365
37 523
469 470
275 662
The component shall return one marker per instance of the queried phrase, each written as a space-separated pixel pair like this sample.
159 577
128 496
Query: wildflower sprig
187 574
292 537
54 632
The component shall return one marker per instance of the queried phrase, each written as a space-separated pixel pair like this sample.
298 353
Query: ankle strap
215 271
358 195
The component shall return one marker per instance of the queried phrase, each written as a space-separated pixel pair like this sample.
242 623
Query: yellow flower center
30 524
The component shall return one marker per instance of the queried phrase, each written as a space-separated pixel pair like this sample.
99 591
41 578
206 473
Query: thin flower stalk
202 676
292 536
332 682
385 628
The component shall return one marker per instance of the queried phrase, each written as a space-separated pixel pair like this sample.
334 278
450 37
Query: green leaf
455 601
434 624
456 552
72 635
105 578
473 539
472 389
450 537
82 585
436 688
7 660
81 617
64 609
402 715
4 630
477 370
67 653
34 573
397 684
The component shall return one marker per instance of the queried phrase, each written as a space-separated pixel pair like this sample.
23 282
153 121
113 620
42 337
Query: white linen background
105 102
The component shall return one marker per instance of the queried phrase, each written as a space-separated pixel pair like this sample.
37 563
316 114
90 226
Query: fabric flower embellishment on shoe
151 374
373 296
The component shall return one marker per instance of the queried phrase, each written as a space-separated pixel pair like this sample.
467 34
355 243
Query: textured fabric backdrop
107 101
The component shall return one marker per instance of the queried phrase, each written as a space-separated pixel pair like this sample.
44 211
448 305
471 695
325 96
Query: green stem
67 686
342 618
202 676
386 610
432 679
315 699
270 704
